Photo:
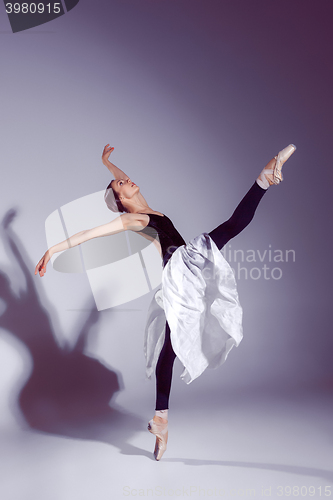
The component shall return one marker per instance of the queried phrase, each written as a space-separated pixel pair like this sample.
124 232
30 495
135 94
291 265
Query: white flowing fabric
199 299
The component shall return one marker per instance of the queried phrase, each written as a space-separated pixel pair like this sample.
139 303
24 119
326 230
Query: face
124 188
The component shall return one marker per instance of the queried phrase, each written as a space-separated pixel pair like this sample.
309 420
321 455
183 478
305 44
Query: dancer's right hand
106 152
41 266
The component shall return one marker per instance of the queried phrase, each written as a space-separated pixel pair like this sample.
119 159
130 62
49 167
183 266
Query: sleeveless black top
162 228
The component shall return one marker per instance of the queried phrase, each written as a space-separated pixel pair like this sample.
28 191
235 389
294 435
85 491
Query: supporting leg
164 372
159 424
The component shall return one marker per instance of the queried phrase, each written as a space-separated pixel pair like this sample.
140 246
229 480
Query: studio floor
248 446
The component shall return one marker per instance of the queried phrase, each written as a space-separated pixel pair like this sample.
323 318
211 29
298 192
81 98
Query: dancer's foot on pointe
272 172
159 427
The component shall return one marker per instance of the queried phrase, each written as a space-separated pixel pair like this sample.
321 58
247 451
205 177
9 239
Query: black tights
241 217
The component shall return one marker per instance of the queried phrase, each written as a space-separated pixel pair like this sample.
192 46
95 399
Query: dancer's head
112 199
119 194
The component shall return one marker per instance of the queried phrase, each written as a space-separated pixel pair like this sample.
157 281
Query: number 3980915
33 8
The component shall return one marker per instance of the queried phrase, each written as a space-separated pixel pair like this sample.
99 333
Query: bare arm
121 223
115 171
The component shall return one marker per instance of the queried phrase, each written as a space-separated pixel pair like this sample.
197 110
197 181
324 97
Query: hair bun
113 203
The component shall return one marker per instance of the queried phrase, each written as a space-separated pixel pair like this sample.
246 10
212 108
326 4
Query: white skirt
199 299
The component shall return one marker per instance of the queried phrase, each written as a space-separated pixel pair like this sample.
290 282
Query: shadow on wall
68 393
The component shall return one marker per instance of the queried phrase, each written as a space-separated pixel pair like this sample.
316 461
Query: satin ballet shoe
281 158
160 430
271 176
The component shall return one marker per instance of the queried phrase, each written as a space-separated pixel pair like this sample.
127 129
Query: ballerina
199 298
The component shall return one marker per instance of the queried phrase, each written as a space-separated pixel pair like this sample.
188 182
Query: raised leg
241 217
244 213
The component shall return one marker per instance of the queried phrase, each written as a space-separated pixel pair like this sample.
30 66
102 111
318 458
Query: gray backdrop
196 97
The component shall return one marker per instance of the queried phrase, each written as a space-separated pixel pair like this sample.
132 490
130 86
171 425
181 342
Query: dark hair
112 200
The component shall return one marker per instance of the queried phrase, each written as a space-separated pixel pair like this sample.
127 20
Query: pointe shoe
160 430
281 158
271 176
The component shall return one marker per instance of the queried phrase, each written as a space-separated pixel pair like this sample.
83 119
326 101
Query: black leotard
168 236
